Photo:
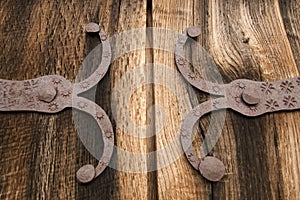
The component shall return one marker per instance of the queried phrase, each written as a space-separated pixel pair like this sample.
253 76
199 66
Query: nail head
194 31
92 27
212 169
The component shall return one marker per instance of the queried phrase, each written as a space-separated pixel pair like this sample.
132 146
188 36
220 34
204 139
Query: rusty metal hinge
250 98
53 93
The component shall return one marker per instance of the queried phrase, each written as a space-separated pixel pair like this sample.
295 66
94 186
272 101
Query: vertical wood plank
249 41
132 178
177 179
43 38
246 41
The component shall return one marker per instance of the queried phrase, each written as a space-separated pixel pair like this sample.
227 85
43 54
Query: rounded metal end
194 31
92 27
212 169
86 173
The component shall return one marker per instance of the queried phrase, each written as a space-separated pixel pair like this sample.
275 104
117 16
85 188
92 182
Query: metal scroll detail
51 94
250 98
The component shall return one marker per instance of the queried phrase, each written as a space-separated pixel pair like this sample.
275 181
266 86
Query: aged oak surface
40 153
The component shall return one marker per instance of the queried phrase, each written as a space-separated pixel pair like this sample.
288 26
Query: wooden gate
257 40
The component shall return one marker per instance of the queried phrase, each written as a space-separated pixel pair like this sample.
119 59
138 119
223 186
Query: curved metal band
104 123
190 120
189 75
103 67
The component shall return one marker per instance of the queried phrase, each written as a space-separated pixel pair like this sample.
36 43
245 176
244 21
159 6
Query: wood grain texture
40 153
178 180
246 40
41 38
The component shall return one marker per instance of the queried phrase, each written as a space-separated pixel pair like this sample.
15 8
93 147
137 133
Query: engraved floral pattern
181 39
253 108
241 85
7 90
216 104
53 106
287 87
237 99
29 87
106 54
100 116
56 81
66 93
82 105
31 83
99 74
289 101
108 134
84 85
267 88
191 75
185 134
102 164
103 37
298 81
216 89
180 61
196 113
271 105
190 157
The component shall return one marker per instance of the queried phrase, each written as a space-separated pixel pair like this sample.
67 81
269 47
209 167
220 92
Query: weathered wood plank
40 153
247 40
178 179
131 114
42 38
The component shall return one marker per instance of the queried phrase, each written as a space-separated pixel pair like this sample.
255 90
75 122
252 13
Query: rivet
194 31
46 93
250 98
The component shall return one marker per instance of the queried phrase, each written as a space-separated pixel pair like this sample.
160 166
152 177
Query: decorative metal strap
52 94
250 98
